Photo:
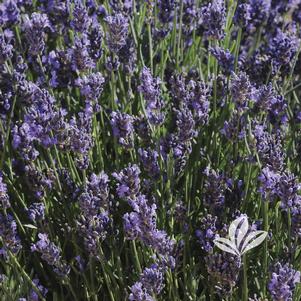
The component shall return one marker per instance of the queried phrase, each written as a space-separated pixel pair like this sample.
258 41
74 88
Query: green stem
245 292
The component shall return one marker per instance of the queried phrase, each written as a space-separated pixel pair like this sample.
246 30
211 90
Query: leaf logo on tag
240 239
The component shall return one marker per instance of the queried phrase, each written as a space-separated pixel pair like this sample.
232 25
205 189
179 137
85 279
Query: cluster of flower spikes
140 225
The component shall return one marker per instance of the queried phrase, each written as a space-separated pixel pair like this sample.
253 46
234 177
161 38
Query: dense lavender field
150 150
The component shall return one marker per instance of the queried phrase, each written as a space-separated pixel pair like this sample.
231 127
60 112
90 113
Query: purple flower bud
81 21
123 128
283 282
149 159
224 57
117 31
150 88
35 29
91 86
51 254
36 212
213 19
223 270
8 234
4 198
128 182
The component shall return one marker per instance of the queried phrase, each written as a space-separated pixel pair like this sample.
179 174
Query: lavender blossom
150 88
282 49
214 189
80 129
8 233
277 112
149 159
95 37
166 11
91 86
224 57
213 19
141 224
128 182
241 90
95 195
242 14
33 296
128 56
10 13
139 293
81 21
296 221
207 233
35 29
117 32
259 13
150 283
223 270
234 129
36 212
6 49
185 125
23 142
193 94
288 189
4 198
51 254
269 181
269 147
283 282
123 128
94 230
79 54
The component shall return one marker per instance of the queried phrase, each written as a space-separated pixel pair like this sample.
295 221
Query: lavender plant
132 134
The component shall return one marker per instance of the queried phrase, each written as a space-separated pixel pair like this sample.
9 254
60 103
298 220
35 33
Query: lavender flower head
288 189
282 49
79 54
128 182
149 159
117 32
4 199
207 233
214 188
51 254
241 90
95 195
283 282
150 88
242 14
35 29
8 234
149 284
185 125
33 296
6 49
141 224
224 57
81 20
213 19
91 86
139 293
36 212
223 270
10 13
259 13
94 230
123 128
269 147
269 181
